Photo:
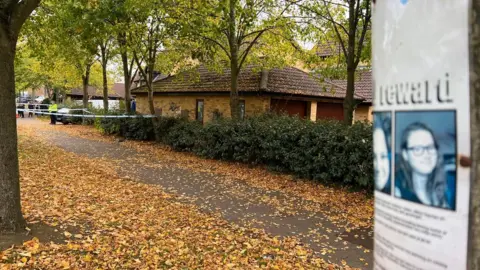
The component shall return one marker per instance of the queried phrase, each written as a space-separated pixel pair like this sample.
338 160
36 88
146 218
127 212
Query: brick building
203 94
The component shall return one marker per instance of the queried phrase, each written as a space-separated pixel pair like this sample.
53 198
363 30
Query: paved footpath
235 201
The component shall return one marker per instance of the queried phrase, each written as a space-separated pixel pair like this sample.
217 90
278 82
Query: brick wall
363 112
173 105
253 105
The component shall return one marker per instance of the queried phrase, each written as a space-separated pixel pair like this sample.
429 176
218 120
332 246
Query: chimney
264 80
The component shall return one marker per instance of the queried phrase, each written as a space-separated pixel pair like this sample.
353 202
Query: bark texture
11 218
14 13
474 227
86 80
122 41
234 100
234 64
105 80
349 103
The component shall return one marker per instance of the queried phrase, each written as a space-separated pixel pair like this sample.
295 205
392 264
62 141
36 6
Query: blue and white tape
90 115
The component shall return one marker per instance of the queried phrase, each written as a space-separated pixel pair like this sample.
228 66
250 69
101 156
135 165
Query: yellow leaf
301 252
65 264
87 258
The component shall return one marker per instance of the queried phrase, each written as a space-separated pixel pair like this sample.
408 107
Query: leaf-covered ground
123 224
353 209
115 223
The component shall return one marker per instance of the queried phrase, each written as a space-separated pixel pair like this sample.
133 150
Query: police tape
86 115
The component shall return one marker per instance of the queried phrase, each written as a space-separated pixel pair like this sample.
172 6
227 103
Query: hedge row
326 151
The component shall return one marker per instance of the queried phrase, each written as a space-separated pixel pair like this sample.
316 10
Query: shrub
131 128
109 126
183 135
325 151
164 125
138 129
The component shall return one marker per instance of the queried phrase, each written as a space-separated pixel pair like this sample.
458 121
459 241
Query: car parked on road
63 117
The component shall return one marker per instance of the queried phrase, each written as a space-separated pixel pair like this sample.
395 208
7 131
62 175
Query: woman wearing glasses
420 174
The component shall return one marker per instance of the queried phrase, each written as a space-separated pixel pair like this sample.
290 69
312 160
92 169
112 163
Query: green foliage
138 129
183 135
108 126
164 125
326 151
131 128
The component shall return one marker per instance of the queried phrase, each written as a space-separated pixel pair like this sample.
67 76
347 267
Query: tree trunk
105 80
474 217
86 80
234 100
56 94
349 101
151 105
11 218
49 92
122 41
234 66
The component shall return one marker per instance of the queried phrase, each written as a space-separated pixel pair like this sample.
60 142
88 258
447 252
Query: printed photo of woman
422 175
382 151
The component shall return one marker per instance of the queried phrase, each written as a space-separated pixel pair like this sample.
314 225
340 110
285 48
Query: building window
241 104
199 110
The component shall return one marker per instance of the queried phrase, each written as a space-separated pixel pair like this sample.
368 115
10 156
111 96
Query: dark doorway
290 107
330 111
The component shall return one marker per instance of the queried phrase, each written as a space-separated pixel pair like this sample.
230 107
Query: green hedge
326 151
131 128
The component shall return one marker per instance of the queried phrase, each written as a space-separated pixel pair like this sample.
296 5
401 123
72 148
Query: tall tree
346 23
66 29
103 35
233 30
14 13
76 21
146 41
148 31
105 55
117 14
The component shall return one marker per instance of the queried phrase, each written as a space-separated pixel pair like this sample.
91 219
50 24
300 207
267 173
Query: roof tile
289 81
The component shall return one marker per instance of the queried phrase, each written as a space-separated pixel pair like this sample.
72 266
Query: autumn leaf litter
130 225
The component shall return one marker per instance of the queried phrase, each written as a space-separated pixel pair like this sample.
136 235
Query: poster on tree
421 126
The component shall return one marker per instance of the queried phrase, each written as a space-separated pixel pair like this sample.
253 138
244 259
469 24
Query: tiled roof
94 92
328 49
288 81
363 84
294 81
119 89
204 80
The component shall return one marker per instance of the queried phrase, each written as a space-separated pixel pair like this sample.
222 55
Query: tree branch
357 13
259 31
342 43
244 55
20 13
362 37
131 67
217 43
330 18
142 71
